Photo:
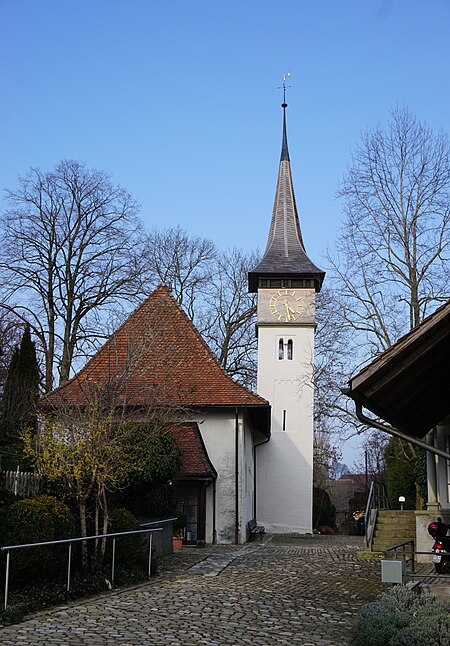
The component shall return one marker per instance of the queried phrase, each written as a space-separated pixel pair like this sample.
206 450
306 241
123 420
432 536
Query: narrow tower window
290 349
284 420
281 349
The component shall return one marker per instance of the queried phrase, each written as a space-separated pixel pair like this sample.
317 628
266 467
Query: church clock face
286 305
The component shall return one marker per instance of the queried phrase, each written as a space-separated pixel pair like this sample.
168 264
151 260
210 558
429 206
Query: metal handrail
69 541
395 549
377 499
159 522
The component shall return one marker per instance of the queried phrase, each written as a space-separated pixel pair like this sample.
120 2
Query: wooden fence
22 484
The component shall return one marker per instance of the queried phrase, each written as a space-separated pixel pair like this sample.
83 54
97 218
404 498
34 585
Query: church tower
286 282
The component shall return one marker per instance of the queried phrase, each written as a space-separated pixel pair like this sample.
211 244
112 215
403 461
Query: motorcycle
441 547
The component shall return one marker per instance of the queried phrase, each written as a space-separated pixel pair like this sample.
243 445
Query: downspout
254 474
214 532
236 474
391 430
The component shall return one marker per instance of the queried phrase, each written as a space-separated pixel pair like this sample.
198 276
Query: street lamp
401 500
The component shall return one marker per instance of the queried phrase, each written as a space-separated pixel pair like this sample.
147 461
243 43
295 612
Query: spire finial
284 146
285 77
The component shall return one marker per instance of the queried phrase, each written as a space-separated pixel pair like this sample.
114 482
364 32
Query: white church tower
286 282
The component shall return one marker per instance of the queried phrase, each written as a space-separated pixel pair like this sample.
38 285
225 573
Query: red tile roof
195 462
156 357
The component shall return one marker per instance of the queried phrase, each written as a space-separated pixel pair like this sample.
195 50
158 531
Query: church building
245 456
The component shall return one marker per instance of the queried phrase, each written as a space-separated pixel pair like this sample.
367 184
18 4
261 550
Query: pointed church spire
285 256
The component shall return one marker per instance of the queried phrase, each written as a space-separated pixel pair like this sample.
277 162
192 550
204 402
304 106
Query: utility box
393 571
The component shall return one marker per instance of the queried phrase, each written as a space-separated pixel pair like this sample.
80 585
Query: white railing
24 484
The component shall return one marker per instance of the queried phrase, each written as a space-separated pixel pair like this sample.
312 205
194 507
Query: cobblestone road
287 590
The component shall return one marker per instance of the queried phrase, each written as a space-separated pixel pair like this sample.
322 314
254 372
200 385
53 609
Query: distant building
342 492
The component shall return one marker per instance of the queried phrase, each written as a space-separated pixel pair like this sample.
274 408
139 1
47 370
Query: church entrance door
191 501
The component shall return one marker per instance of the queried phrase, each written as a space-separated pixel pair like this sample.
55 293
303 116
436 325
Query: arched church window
290 349
281 349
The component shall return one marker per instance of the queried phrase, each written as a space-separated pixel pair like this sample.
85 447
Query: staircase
392 528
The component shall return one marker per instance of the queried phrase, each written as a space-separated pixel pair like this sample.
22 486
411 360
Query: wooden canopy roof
409 384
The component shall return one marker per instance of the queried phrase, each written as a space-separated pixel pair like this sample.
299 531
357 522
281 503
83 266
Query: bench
255 529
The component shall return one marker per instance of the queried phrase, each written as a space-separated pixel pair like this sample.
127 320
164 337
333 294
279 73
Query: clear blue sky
179 100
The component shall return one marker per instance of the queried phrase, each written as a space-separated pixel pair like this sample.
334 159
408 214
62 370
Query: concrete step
392 524
396 522
400 527
393 513
398 537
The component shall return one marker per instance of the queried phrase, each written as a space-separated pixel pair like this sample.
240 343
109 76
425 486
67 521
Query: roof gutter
395 432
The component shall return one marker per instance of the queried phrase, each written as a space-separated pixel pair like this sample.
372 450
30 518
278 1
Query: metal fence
69 542
400 563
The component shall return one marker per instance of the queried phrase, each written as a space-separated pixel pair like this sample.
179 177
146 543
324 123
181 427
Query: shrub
324 512
37 520
128 548
404 618
400 477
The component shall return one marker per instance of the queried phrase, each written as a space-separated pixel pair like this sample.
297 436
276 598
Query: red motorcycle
441 547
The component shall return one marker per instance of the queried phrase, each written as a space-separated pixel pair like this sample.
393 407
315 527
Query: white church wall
217 429
218 433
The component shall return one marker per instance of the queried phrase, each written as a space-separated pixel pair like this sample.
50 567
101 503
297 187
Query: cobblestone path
286 590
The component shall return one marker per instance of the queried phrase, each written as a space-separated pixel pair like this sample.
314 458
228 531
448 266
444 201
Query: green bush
128 548
324 512
403 618
37 520
400 476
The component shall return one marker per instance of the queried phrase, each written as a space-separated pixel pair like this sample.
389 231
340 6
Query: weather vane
285 77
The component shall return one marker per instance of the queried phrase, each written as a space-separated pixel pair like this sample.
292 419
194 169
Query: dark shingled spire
284 146
285 255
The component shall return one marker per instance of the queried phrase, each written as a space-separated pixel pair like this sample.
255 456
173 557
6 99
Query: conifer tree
20 393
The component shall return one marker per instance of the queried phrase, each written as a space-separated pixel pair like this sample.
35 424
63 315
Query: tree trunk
105 522
83 526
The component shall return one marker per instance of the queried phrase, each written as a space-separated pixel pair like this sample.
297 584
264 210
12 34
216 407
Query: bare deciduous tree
228 324
181 262
70 246
391 259
11 329
211 286
390 266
